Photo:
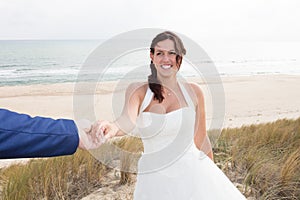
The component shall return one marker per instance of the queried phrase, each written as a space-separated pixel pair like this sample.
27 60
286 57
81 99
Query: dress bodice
157 131
166 136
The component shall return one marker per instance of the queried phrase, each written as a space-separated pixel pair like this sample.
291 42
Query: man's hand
86 139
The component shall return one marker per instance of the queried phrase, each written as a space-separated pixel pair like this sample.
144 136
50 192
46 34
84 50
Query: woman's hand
103 130
109 129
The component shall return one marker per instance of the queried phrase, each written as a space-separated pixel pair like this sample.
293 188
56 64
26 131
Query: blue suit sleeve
22 136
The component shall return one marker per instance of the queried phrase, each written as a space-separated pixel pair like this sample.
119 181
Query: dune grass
129 162
266 156
67 177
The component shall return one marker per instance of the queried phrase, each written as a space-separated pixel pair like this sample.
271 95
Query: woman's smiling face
164 58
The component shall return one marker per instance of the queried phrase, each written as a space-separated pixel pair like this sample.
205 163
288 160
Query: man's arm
22 136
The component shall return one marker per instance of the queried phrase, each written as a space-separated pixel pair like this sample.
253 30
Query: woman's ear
151 56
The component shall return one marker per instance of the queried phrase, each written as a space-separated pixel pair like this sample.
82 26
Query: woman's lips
166 66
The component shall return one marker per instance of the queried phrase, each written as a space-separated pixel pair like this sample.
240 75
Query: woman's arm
126 122
201 139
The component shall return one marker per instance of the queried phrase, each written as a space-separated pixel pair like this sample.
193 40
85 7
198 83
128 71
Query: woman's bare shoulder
194 91
137 88
196 87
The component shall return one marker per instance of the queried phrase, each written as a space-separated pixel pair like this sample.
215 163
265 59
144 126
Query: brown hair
153 82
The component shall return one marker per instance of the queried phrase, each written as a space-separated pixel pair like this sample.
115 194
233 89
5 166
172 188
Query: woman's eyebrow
161 49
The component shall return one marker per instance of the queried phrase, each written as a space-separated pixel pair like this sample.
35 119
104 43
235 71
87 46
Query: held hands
91 136
85 139
103 131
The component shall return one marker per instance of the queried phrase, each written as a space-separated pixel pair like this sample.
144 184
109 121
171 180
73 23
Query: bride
169 116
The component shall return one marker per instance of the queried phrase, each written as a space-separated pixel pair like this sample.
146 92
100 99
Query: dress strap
147 99
187 97
149 96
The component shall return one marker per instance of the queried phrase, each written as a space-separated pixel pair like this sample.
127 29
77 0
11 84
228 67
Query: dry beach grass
262 160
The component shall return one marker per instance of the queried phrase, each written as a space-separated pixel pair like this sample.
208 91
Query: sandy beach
247 100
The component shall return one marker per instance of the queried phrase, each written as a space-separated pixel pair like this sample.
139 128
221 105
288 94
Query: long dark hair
153 82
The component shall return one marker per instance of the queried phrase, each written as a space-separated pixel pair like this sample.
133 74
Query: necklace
169 93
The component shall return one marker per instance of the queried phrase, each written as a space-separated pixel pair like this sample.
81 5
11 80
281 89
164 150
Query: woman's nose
166 58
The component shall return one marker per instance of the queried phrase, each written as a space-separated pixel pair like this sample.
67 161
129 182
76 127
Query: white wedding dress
171 167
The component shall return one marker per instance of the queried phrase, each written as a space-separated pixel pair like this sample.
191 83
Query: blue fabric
22 136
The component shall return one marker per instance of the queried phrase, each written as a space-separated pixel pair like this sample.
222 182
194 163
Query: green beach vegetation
264 159
267 156
67 177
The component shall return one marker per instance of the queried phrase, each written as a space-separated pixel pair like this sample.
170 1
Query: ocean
25 62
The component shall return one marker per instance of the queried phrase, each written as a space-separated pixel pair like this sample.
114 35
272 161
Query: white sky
276 20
